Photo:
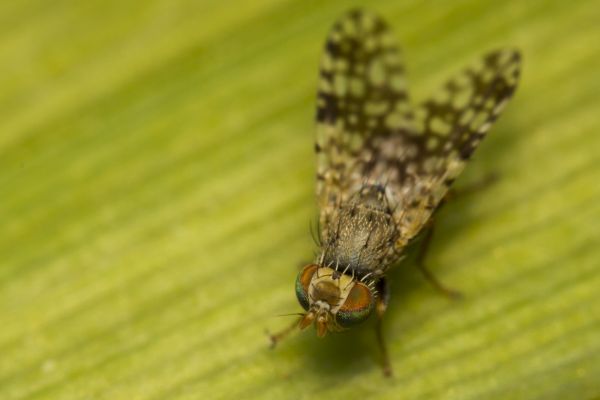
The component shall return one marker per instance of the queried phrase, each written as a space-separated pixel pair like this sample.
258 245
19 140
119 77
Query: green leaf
157 185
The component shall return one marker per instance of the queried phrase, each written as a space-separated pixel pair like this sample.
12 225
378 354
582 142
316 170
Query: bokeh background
156 190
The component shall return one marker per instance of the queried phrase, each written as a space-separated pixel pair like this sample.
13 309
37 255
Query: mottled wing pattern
367 132
421 163
361 96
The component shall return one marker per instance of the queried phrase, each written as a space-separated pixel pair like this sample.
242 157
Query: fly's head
333 300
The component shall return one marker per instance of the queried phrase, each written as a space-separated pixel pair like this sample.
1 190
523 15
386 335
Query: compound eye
302 283
358 306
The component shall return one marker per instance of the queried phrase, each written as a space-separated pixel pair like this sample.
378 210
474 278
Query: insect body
384 166
340 289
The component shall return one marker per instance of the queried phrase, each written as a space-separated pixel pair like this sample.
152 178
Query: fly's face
333 301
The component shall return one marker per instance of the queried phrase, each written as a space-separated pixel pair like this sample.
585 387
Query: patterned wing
361 96
422 162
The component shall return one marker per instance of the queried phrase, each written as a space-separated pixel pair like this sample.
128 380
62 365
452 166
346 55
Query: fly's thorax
363 234
333 300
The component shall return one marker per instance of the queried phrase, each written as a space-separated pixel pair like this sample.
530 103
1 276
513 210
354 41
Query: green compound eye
302 282
358 306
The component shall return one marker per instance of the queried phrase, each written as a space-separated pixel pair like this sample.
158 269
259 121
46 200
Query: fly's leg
282 334
380 307
446 291
452 194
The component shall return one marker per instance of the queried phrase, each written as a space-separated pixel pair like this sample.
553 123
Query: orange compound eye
358 306
302 283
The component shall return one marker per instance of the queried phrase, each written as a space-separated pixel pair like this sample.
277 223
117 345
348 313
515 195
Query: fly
384 166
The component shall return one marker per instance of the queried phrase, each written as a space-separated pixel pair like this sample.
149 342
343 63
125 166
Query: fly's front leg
380 307
282 334
446 291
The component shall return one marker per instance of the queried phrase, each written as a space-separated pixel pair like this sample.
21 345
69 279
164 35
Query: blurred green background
156 189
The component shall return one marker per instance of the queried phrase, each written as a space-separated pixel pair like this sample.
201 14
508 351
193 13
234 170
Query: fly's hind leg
380 307
446 291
